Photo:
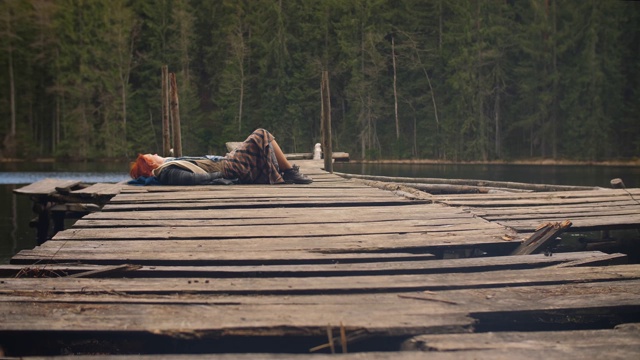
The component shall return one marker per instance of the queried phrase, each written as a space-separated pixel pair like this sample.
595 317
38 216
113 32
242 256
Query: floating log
477 183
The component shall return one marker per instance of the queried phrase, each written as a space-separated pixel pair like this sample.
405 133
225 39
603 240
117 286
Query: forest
452 80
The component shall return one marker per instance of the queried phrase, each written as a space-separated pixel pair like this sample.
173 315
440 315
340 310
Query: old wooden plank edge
604 260
539 202
617 293
248 191
210 196
502 184
241 241
46 186
531 340
100 190
336 202
196 321
606 193
594 258
317 219
541 238
581 224
540 212
328 285
556 353
186 259
275 231
408 211
110 270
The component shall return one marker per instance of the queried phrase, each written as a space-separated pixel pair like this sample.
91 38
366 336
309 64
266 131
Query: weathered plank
99 190
624 336
235 192
581 224
295 215
578 353
603 193
179 320
46 187
195 257
252 204
338 269
613 201
196 314
212 231
326 285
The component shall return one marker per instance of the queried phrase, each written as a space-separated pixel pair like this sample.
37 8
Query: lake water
15 210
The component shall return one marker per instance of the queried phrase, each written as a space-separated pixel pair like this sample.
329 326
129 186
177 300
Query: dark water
538 174
15 210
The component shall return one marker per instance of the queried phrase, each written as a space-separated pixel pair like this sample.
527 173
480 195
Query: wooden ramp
284 272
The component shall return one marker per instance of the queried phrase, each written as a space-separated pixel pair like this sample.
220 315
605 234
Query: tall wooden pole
326 122
175 117
166 134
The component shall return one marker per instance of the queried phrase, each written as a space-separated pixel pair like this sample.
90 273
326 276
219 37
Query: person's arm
173 175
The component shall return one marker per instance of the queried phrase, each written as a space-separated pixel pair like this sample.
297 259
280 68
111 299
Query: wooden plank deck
275 271
588 210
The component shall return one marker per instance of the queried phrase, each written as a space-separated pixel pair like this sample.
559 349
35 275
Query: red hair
142 166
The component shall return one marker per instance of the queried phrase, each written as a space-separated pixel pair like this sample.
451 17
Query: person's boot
294 176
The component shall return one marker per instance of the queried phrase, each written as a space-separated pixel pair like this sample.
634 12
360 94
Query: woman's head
144 165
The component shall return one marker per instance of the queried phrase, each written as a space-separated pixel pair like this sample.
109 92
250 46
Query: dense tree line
441 79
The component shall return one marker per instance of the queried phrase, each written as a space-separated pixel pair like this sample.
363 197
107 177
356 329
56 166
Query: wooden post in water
166 133
325 112
175 116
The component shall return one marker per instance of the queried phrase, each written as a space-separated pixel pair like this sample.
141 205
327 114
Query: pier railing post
166 132
175 116
325 112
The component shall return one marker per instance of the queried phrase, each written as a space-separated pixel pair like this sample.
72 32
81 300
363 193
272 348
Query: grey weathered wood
110 270
324 285
594 258
46 187
99 190
561 340
541 238
249 217
401 313
211 230
489 183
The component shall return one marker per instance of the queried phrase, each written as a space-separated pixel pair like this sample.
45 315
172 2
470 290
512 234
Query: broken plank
46 187
541 238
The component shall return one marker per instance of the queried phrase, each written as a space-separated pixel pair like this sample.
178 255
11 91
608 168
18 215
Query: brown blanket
253 161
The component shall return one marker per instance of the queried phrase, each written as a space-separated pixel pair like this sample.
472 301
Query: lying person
257 160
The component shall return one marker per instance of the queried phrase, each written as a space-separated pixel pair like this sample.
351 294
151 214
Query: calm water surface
15 211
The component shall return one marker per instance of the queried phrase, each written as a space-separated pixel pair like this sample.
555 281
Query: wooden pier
301 271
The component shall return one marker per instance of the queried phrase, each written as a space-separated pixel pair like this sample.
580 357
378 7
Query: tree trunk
395 88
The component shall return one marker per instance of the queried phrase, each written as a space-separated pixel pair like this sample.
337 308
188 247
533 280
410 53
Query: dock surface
298 271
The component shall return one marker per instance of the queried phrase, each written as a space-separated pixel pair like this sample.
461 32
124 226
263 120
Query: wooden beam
541 238
326 122
166 130
175 116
